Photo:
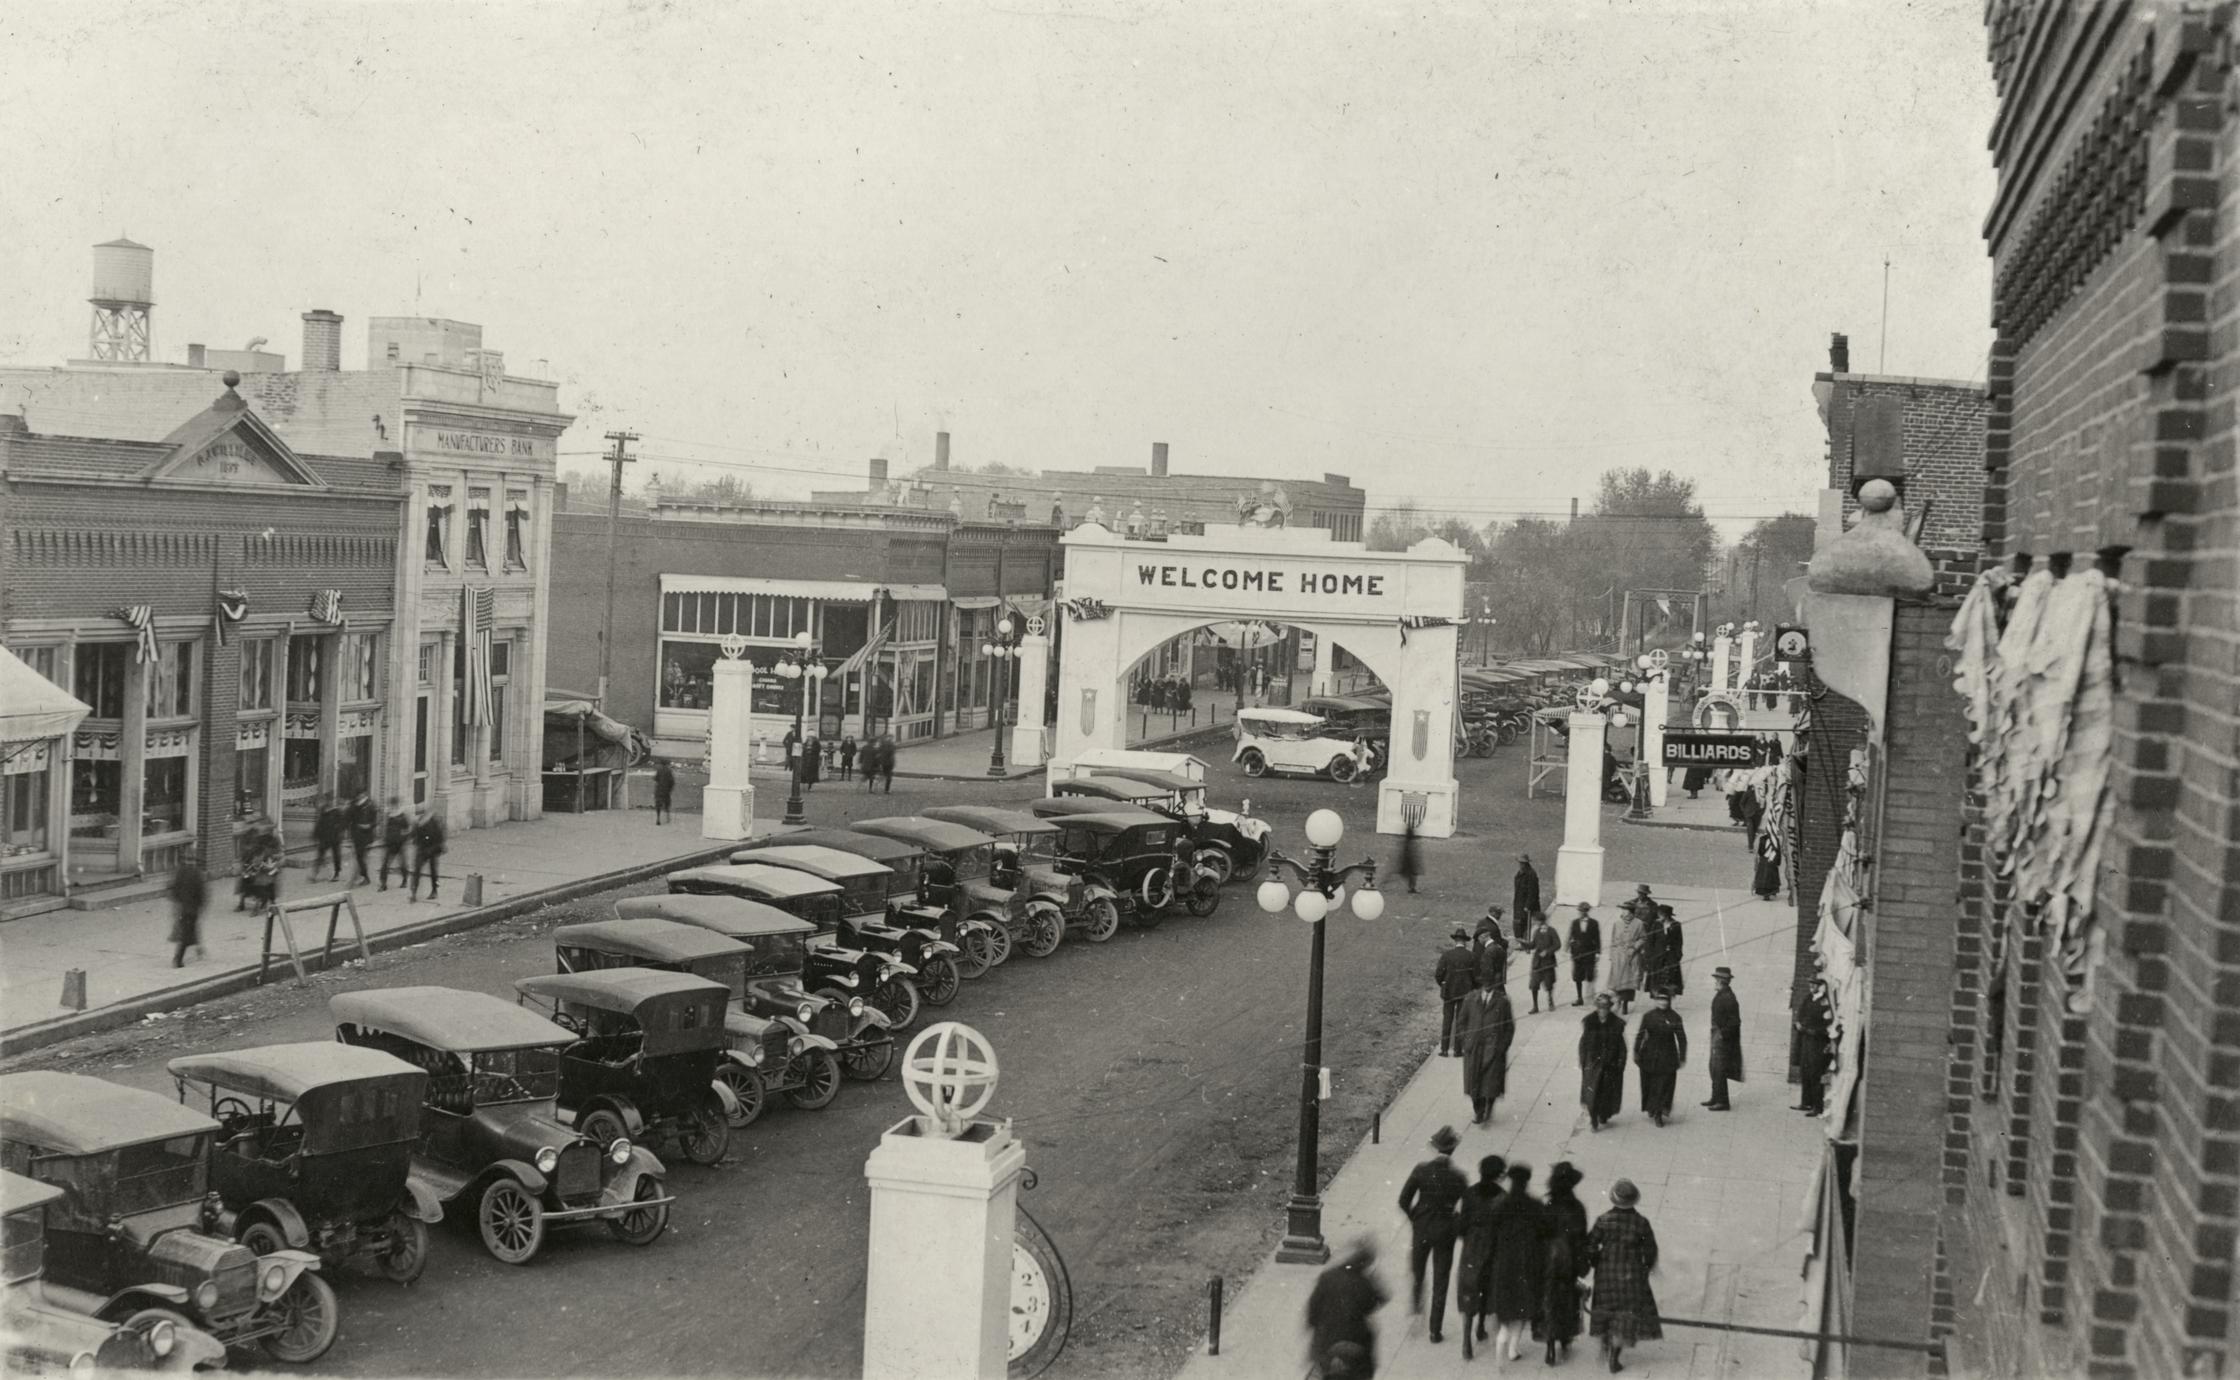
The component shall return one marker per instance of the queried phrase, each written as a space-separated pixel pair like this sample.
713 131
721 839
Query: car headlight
84 1364
206 1295
274 1278
806 1012
619 1152
163 1335
855 1006
548 1159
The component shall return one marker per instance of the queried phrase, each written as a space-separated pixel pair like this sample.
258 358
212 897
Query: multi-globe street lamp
1322 890
1002 648
800 663
1649 668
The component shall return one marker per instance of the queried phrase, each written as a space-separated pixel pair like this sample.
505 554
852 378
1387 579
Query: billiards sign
1716 750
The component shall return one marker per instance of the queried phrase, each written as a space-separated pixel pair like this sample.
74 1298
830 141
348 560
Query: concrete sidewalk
1708 811
126 952
964 756
1724 1191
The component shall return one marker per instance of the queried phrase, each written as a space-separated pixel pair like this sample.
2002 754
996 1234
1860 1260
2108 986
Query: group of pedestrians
1516 1259
1164 694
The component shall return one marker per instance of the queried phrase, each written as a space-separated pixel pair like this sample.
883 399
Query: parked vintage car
959 872
1351 716
773 1048
776 980
135 1227
315 1151
886 984
866 918
646 1054
50 1328
1228 841
1290 743
1142 857
907 908
1027 860
491 1135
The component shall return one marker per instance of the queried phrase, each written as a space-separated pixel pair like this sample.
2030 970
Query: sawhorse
336 903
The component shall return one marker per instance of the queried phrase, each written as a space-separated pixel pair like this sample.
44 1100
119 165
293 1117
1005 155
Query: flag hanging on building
326 606
868 650
479 608
142 617
233 607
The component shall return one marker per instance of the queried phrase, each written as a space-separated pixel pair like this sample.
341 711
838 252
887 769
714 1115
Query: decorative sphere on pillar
949 1074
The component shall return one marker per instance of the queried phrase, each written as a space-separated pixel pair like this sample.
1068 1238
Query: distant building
1926 435
928 587
1138 502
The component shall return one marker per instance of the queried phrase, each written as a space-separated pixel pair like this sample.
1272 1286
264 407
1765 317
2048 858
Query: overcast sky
1472 254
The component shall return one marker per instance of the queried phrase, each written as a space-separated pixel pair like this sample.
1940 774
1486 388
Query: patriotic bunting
142 617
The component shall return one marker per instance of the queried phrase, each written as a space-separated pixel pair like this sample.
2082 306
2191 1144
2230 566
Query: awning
975 601
835 591
33 708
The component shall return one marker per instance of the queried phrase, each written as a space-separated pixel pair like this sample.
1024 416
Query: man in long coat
1726 1038
1626 972
1660 1048
1456 975
1486 1027
1490 949
1602 1062
1675 952
1652 946
1585 943
1524 897
1814 1022
1340 1338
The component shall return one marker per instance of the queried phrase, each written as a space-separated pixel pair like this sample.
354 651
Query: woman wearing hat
1566 1219
1625 955
1473 1283
1602 1062
1520 1262
1623 1249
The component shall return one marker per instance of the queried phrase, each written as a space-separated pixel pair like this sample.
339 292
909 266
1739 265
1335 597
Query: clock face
1041 1299
1030 1300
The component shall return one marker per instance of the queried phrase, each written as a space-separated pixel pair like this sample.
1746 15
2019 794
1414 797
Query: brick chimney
322 341
941 450
1839 353
878 472
1158 459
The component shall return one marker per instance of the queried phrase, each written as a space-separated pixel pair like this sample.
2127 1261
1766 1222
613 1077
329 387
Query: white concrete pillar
937 1295
1722 649
1656 706
1092 697
1422 675
1325 680
1034 672
727 808
1579 860
1747 658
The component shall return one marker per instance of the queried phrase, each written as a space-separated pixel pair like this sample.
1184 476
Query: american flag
479 609
233 606
326 606
142 617
862 655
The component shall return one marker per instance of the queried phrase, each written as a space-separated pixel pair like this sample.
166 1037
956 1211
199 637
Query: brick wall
2112 1199
1941 444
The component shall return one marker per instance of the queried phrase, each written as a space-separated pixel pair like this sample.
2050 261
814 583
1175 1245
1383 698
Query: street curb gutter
40 1034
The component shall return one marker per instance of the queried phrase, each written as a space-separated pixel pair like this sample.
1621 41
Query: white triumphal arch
1396 611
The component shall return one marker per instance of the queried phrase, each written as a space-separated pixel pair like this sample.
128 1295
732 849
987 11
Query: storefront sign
1718 750
1300 577
488 445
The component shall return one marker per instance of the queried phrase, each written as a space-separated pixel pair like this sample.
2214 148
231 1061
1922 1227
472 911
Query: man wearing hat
1524 897
1726 1038
1428 1200
1491 951
1484 1031
1456 975
1585 943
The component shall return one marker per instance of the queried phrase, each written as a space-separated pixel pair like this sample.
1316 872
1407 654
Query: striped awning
836 591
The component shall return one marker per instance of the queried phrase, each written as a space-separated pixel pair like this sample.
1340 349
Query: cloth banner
142 618
478 609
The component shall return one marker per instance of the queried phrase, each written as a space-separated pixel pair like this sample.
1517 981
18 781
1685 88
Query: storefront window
256 673
304 653
163 807
96 790
23 812
249 768
921 685
170 681
355 764
439 525
361 666
501 675
299 769
517 529
478 528
458 702
687 674
99 680
44 660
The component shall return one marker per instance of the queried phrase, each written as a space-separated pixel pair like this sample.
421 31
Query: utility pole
618 458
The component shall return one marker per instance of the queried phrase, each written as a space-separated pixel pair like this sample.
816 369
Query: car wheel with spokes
1205 897
972 956
1342 769
406 1253
642 1226
1046 929
512 1221
263 1237
1255 762
310 1318
603 1126
706 1132
1104 919
938 979
898 997
999 942
746 1086
820 1080
868 1061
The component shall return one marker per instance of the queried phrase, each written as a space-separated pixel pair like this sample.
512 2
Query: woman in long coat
1602 1063
1520 1262
1625 958
1566 1221
1524 896
1485 1025
1473 1274
1674 978
1623 1248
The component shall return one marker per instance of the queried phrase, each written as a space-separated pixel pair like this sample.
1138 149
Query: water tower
123 297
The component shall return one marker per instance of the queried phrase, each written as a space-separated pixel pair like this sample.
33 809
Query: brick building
470 447
191 735
930 588
1145 502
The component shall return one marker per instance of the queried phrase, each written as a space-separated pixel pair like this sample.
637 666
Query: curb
1726 828
40 1034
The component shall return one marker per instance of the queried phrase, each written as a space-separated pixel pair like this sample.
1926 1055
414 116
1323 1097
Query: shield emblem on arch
1421 739
1088 711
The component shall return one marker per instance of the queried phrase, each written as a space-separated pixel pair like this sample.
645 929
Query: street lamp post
801 664
1322 889
1649 679
1002 648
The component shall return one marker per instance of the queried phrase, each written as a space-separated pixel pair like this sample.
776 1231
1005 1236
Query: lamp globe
1274 897
1311 906
1324 828
1368 903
